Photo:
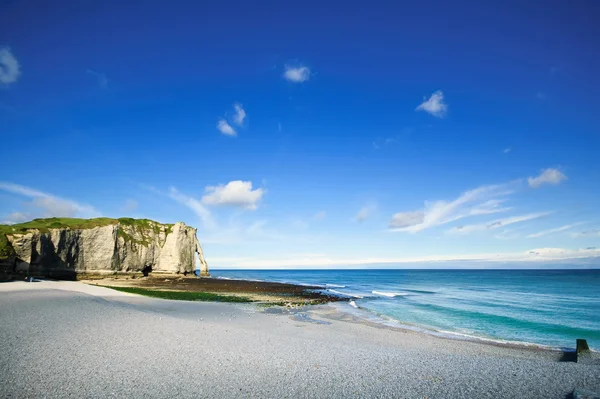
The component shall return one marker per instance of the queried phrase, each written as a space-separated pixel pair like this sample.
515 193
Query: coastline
265 292
296 295
503 307
362 315
71 332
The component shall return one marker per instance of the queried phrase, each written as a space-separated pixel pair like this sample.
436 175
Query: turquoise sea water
546 307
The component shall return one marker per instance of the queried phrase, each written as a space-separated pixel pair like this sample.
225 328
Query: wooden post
582 346
583 350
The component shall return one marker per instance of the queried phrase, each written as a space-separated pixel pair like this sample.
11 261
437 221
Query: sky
381 134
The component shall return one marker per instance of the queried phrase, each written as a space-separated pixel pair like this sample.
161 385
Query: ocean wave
335 286
353 304
389 294
346 294
420 291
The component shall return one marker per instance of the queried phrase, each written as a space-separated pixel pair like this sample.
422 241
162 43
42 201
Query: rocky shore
255 291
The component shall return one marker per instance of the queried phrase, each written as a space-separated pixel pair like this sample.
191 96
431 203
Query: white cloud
483 200
365 212
130 205
100 78
235 193
47 205
539 256
555 230
194 205
547 176
497 223
240 114
226 128
16 217
407 219
540 95
507 150
10 69
296 74
434 105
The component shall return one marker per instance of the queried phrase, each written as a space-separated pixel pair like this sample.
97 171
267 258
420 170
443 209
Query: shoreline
268 295
413 304
293 295
69 331
380 321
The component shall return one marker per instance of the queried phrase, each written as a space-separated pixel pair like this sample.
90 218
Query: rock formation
59 247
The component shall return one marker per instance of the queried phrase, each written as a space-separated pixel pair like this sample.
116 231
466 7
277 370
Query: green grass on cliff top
182 296
44 225
73 223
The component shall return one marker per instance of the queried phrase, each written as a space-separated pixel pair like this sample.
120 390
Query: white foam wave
346 294
353 304
389 294
335 286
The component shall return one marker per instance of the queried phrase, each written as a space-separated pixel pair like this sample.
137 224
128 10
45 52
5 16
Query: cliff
64 246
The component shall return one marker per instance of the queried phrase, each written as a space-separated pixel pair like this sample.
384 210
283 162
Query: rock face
126 246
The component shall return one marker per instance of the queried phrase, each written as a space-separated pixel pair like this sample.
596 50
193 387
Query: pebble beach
69 339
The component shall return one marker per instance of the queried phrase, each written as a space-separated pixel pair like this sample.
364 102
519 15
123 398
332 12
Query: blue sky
311 135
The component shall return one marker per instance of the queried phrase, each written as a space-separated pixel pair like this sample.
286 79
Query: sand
67 339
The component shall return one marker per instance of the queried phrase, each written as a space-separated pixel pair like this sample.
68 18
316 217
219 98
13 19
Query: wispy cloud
48 205
380 143
498 223
226 128
15 217
508 234
482 200
587 233
539 256
100 78
193 204
540 95
235 193
507 150
555 230
240 114
434 105
10 70
319 215
547 176
130 205
365 212
408 220
296 74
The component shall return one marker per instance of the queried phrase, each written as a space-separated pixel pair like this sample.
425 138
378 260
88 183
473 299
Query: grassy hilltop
44 226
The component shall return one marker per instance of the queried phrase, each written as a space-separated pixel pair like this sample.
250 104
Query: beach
69 339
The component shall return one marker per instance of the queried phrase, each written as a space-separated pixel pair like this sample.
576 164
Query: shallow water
545 307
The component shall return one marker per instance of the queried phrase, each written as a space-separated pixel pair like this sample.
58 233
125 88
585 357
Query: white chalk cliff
122 246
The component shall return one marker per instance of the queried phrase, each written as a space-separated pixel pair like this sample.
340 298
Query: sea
550 308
